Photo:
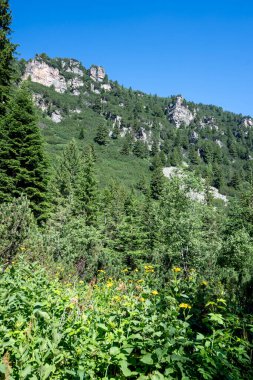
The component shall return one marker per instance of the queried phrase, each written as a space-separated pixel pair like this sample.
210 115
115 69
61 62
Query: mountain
140 131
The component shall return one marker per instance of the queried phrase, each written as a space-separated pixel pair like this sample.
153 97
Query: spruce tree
68 170
7 50
157 183
86 189
23 167
102 135
81 134
127 144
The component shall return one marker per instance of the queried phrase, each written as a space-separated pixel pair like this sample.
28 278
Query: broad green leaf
114 351
147 359
2 368
42 314
200 336
46 371
124 368
25 372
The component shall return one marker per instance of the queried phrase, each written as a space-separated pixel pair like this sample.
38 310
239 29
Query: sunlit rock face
247 122
179 114
41 72
97 73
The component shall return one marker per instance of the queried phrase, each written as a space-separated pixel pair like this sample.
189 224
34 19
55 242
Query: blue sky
200 49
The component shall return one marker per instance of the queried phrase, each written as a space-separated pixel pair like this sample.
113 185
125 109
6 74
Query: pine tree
67 171
140 149
131 238
23 166
102 135
157 183
81 134
127 145
86 194
218 180
7 50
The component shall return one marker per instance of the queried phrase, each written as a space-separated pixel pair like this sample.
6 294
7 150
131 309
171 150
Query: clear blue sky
200 49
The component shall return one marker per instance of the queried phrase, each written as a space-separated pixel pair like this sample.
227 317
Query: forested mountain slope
135 132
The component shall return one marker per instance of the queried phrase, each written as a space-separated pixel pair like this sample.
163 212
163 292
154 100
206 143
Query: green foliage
86 190
81 134
67 171
101 137
23 166
7 50
157 183
119 329
15 222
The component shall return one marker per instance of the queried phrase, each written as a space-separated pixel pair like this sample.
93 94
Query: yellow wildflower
176 269
116 298
101 271
125 270
80 282
185 306
109 284
22 248
149 268
154 292
204 283
142 299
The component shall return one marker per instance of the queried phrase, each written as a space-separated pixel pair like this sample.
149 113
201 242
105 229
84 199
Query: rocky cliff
40 72
179 113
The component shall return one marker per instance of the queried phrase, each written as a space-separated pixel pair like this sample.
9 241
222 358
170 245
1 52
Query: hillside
139 131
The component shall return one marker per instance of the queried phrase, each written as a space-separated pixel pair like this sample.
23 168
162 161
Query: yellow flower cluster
176 269
154 292
204 283
116 298
185 306
109 283
149 268
101 271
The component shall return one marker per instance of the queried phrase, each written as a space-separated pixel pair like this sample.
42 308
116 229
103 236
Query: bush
15 221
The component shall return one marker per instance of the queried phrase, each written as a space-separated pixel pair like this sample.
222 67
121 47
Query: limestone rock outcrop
40 72
97 73
179 113
208 122
247 122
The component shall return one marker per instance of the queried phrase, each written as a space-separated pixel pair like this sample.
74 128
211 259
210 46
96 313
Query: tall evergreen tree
102 135
68 170
157 183
86 189
23 166
7 50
